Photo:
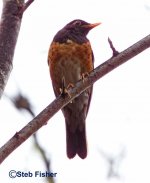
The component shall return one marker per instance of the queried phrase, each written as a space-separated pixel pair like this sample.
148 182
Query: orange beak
91 26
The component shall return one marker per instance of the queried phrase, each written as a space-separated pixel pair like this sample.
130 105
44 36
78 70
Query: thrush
70 58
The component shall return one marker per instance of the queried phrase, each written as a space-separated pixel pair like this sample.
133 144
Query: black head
76 31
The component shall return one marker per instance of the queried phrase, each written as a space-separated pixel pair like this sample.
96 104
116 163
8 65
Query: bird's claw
84 75
64 90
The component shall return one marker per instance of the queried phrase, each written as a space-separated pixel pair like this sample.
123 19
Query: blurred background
118 122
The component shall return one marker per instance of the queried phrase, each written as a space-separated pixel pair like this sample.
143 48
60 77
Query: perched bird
70 58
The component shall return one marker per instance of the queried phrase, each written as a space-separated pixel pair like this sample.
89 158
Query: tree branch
22 103
115 52
24 6
61 101
9 31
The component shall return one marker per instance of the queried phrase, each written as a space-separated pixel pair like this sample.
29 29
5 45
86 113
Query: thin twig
22 103
115 52
44 157
113 162
25 6
79 87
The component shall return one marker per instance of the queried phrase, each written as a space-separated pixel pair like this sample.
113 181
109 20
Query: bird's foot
64 90
84 75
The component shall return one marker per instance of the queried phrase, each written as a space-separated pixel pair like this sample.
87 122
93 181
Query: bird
70 58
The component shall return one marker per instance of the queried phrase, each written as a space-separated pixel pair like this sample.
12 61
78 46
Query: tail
76 142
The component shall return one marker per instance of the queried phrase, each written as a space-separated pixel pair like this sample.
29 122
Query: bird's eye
77 23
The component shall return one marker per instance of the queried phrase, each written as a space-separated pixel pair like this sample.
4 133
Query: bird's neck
63 37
